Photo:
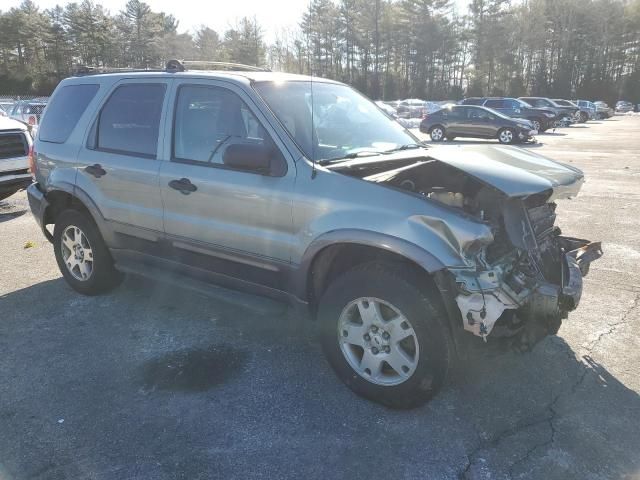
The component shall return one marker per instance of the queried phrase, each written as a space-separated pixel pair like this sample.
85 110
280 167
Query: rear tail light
32 120
32 162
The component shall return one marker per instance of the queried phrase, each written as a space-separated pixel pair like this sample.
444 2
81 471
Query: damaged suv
305 191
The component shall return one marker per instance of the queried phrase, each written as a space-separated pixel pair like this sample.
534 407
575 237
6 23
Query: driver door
218 217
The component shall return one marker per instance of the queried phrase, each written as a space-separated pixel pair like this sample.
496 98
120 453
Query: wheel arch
337 251
326 260
63 197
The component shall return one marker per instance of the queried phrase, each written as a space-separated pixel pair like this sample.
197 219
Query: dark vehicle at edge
541 118
565 114
475 122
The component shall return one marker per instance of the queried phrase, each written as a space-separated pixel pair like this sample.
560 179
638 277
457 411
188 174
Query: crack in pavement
587 366
614 326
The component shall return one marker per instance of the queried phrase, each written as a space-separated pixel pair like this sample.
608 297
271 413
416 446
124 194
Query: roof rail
172 66
181 66
83 70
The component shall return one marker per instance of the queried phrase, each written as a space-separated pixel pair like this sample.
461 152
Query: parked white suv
15 143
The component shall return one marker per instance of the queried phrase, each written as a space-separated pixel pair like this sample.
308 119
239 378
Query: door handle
183 185
95 170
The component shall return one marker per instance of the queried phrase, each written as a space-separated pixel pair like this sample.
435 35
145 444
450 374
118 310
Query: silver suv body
306 192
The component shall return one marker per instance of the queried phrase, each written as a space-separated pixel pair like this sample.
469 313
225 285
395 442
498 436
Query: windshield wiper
350 156
407 146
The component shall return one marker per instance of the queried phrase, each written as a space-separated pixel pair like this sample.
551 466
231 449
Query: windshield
344 121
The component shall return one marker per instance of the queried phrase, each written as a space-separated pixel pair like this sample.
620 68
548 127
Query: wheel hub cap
77 253
378 341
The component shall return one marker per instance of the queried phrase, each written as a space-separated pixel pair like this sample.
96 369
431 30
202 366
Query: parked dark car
579 116
541 118
476 122
564 114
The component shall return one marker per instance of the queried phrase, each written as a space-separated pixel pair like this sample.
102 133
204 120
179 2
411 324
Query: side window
495 104
512 104
210 119
479 113
64 111
129 122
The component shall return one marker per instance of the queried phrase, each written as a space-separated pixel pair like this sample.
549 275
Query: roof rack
181 66
172 66
82 70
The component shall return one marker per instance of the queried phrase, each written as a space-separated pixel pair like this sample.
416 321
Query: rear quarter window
129 121
64 111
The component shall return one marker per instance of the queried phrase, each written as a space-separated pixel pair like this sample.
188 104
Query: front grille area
13 145
549 259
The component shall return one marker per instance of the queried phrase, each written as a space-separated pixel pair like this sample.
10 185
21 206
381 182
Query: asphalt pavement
155 382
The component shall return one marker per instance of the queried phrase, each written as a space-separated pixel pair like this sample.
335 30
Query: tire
537 124
437 133
584 116
427 348
507 136
89 269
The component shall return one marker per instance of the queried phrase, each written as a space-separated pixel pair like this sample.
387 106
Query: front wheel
437 133
536 124
383 332
82 256
506 136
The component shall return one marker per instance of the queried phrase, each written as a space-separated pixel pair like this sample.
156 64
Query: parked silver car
28 111
308 193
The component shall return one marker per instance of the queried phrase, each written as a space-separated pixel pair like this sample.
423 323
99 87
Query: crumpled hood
516 172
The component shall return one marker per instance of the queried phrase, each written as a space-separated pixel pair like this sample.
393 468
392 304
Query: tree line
386 48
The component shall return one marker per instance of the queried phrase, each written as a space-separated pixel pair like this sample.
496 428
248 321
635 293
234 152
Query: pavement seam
553 414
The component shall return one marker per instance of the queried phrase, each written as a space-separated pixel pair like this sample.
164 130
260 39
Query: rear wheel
506 136
382 331
82 256
437 133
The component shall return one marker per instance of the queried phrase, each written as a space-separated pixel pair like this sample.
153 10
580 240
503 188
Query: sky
273 15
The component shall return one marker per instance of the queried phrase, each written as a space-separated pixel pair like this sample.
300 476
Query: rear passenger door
118 166
226 219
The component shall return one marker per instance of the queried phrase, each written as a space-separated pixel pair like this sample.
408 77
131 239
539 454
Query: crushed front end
528 279
523 277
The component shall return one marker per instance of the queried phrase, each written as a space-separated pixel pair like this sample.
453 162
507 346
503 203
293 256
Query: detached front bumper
509 303
578 260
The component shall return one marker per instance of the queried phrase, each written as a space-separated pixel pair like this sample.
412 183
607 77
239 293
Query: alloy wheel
378 341
506 136
77 253
437 134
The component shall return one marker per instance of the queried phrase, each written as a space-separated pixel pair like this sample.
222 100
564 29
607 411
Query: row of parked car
25 111
509 120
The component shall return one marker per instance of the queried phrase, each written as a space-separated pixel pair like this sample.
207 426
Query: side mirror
248 157
517 110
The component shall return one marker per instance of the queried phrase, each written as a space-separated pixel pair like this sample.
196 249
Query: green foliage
386 48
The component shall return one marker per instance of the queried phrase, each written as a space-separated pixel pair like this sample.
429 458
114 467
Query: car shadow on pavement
10 215
154 381
483 142
554 134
